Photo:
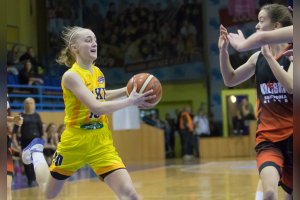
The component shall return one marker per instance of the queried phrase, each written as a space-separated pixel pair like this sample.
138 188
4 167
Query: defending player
274 79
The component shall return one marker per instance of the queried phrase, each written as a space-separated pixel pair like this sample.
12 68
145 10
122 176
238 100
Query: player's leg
288 196
10 171
259 191
120 182
270 164
33 153
53 187
103 158
9 181
286 181
270 177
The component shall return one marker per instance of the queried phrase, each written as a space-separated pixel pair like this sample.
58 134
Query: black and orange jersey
274 105
7 128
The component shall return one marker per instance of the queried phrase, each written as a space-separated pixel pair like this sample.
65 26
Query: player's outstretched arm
258 39
233 77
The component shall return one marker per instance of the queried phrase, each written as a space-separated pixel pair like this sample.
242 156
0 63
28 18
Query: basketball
145 82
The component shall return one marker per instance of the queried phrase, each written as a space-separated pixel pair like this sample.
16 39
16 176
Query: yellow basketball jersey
76 113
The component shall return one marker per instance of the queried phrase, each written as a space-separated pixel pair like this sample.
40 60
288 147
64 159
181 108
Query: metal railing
47 98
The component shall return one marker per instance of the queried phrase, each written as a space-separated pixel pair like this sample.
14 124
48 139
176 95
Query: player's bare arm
74 83
115 94
284 77
231 76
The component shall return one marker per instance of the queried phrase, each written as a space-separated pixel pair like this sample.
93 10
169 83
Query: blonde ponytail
66 56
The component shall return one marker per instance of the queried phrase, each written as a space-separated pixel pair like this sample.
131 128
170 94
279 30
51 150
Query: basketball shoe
36 145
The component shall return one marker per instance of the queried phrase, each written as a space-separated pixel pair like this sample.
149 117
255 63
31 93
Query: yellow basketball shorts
79 147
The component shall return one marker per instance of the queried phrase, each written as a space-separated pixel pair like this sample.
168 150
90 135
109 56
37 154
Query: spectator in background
167 131
27 76
171 135
201 129
30 55
96 14
187 129
247 113
12 69
188 30
152 120
178 114
246 109
111 14
188 33
13 55
13 60
32 128
51 141
238 123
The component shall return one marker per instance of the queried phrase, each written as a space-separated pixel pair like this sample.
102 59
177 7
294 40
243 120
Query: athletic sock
259 195
41 168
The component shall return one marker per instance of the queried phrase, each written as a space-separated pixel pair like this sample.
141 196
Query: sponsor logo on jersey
101 79
273 92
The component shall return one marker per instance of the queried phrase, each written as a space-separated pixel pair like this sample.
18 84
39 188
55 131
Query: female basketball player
18 120
274 79
87 138
239 43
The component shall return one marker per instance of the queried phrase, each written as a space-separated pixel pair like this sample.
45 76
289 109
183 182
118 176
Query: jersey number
92 115
100 94
57 159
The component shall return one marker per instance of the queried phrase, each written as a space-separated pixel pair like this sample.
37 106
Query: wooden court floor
178 180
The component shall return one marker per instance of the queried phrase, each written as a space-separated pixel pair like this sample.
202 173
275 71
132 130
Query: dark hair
49 126
279 13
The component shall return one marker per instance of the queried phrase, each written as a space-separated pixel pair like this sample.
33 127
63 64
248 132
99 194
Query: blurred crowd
24 65
51 136
187 126
130 33
32 127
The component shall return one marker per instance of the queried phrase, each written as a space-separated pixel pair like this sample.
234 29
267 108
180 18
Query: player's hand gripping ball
145 82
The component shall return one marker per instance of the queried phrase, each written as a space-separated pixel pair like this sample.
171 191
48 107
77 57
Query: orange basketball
145 82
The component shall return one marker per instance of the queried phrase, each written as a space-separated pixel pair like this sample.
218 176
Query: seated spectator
51 141
13 60
12 69
27 77
13 55
188 29
30 55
